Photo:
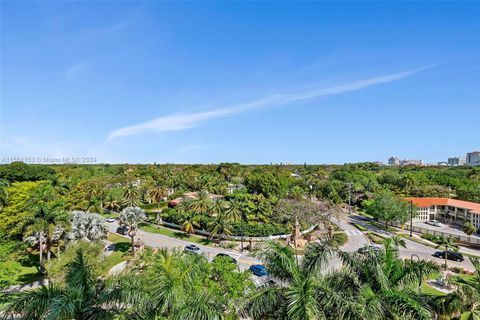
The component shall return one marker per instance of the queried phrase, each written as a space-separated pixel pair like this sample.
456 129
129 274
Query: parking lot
450 229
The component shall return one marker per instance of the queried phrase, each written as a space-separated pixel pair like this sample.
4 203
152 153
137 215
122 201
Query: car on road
451 255
258 270
370 248
434 223
110 220
109 247
193 249
122 230
226 256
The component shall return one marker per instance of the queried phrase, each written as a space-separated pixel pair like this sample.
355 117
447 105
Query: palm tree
463 303
469 229
190 223
201 204
42 224
218 207
387 286
94 204
220 226
132 217
156 194
131 196
300 291
235 210
111 204
88 226
446 243
81 297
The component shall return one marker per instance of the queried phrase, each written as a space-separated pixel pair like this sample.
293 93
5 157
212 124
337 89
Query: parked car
451 255
258 270
109 247
193 249
122 230
371 248
110 220
434 223
231 259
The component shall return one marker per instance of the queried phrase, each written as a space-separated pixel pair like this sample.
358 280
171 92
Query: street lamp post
411 217
350 198
421 276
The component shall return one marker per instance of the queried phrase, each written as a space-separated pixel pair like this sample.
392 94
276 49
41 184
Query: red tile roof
427 202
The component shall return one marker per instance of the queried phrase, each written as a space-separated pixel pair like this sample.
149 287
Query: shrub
360 227
255 229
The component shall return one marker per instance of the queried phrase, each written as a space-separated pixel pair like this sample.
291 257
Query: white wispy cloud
183 121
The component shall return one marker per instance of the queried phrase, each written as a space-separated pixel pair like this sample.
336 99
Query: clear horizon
253 83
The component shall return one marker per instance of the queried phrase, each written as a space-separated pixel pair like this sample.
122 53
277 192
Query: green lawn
119 254
176 234
428 289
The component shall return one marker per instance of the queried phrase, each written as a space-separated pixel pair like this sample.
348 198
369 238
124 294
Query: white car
193 249
434 223
110 220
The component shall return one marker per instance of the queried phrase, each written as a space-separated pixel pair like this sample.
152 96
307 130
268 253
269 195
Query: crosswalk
354 232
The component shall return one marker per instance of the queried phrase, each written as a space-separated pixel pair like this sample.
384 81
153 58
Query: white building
393 161
456 161
447 210
473 158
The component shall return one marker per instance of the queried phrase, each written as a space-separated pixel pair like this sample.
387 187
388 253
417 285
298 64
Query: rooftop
426 202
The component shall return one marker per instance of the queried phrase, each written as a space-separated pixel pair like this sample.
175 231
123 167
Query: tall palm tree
201 204
235 210
156 194
83 296
132 217
387 285
463 303
179 286
300 291
42 224
131 196
446 243
220 226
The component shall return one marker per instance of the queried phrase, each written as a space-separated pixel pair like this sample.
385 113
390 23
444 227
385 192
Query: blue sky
249 82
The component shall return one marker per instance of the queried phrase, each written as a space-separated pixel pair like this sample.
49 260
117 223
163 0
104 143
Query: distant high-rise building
406 162
456 161
393 161
473 158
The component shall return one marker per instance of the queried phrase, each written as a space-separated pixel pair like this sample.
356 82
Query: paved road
155 240
422 251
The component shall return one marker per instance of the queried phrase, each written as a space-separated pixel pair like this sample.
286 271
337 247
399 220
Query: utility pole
350 198
411 217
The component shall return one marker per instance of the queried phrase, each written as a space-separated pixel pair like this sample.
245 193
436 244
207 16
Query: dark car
451 255
258 270
226 256
122 230
372 249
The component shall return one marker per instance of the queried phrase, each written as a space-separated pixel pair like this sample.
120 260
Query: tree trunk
133 246
48 245
446 254
386 224
40 250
